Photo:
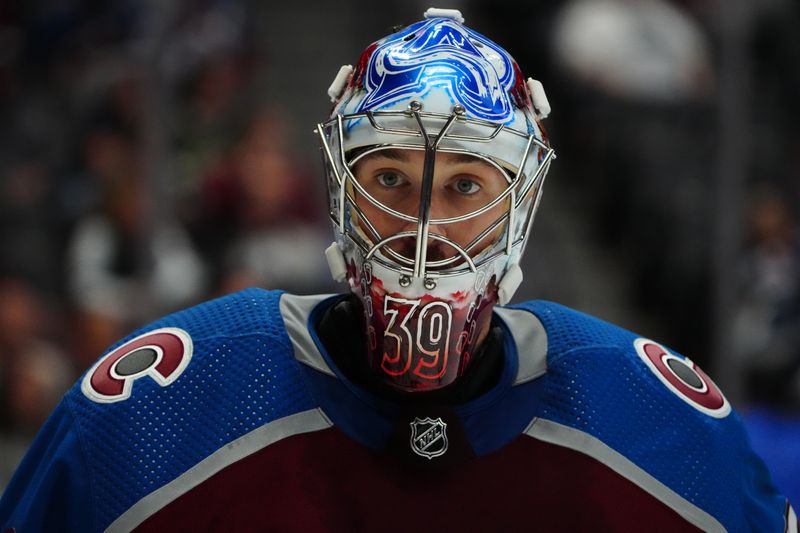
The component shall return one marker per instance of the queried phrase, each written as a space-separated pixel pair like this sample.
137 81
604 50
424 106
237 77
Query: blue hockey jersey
232 416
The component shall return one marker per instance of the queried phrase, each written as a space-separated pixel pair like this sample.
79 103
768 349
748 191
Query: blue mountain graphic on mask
474 71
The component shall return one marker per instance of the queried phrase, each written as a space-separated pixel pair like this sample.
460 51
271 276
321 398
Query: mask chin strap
509 284
336 262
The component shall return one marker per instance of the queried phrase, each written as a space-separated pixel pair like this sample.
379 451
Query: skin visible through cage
462 184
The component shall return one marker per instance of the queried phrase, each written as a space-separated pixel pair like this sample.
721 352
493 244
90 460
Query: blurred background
155 154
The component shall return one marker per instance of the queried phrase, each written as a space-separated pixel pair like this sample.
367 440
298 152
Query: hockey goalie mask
435 161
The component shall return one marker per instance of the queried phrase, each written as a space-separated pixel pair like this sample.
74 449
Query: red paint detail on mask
431 348
519 93
357 80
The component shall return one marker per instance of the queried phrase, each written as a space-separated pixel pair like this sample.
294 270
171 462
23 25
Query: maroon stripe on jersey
324 481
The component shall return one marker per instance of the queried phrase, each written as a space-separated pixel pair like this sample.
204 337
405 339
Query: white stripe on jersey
791 520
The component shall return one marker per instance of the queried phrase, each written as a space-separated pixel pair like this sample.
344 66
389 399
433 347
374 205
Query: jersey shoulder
600 360
568 329
200 338
179 390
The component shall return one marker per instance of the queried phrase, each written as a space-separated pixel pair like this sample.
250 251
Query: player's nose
433 215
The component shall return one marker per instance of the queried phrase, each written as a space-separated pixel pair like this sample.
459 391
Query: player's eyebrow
393 154
461 158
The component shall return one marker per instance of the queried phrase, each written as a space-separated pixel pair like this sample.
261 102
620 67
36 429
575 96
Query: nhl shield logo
428 437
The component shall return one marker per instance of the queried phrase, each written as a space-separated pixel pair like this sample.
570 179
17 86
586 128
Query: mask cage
458 135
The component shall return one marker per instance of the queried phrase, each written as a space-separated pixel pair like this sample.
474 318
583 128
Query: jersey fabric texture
258 430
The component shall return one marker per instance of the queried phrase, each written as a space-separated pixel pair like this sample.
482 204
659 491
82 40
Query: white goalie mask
427 250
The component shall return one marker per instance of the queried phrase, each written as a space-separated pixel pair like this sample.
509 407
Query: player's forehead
411 157
406 155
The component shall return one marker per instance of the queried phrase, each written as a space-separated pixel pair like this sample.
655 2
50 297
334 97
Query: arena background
154 154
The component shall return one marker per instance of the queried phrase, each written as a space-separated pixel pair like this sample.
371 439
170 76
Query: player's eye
466 186
390 179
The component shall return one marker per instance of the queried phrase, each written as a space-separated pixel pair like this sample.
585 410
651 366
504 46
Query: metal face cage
415 129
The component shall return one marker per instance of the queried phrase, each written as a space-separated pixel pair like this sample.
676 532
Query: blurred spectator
637 136
122 269
651 51
34 372
27 223
215 104
260 213
768 316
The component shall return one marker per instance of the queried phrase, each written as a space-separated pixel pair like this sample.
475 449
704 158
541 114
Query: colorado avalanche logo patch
473 70
428 437
162 354
684 378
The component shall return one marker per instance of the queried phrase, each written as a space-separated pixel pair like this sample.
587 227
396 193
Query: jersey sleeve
51 489
763 507
761 502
